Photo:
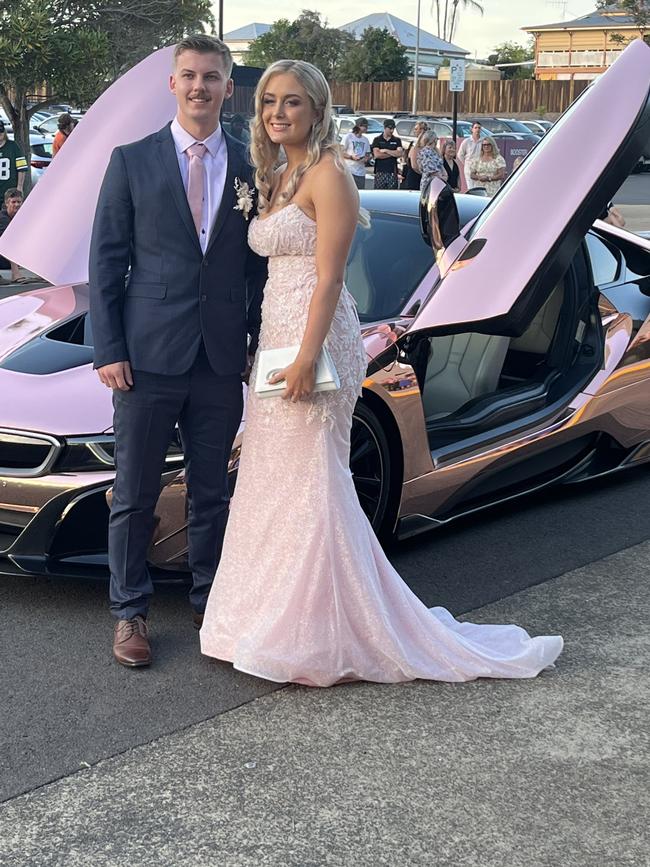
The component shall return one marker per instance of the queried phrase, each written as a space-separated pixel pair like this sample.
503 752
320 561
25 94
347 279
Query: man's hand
246 373
117 375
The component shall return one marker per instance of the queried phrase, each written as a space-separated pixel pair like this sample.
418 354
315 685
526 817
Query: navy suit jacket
175 296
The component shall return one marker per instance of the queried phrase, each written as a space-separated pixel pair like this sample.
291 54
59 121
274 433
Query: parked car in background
535 127
40 116
35 121
404 128
345 124
442 126
50 125
505 124
342 109
41 148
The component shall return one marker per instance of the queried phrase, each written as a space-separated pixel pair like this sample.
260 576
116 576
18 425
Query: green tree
512 52
376 56
306 38
447 13
639 10
77 49
276 44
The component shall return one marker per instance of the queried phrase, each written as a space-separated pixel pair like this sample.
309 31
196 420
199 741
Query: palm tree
447 13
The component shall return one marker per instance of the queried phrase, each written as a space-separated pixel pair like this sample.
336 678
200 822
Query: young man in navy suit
175 296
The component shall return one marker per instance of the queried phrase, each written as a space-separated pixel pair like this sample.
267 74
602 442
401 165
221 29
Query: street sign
457 75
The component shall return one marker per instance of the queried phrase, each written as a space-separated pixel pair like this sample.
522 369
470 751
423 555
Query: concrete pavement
548 772
637 217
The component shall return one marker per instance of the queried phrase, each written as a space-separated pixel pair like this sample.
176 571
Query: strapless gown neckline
283 208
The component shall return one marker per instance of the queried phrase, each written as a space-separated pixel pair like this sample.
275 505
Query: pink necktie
195 184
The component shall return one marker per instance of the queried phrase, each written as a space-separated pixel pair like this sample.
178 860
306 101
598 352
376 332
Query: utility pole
416 76
220 19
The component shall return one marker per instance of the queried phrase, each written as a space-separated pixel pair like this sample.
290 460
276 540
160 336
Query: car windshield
405 127
386 264
42 149
518 126
50 125
375 126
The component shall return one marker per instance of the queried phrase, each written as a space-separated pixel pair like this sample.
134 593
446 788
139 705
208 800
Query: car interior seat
461 367
537 338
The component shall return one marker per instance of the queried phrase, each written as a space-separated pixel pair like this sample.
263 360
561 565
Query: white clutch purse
271 361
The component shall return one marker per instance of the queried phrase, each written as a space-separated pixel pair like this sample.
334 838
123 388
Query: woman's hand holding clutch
300 378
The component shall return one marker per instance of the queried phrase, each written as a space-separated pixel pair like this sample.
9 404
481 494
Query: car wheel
370 464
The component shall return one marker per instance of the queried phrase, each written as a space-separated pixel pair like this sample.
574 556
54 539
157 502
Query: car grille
26 454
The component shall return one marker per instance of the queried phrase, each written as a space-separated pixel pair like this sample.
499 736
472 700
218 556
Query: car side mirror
439 219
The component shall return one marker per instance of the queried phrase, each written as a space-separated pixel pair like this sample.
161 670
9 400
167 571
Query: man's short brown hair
13 193
204 44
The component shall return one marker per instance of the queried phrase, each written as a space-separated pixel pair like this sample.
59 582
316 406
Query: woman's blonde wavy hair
322 136
495 147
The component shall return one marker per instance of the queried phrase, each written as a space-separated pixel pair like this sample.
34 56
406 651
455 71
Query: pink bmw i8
508 345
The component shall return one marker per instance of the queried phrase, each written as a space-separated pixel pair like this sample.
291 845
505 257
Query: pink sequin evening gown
304 591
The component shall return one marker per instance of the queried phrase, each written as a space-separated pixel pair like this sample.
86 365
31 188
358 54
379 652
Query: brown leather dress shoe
197 617
130 642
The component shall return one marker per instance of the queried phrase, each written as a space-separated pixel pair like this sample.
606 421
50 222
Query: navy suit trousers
208 409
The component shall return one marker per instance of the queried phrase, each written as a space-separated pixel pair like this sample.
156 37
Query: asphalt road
65 703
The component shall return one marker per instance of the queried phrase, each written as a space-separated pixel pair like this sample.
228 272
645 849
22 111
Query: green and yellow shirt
12 161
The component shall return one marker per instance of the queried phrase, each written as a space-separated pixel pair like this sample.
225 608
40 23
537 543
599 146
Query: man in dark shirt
13 165
386 148
13 199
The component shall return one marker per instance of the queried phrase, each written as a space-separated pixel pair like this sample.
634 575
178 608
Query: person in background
238 128
426 160
469 149
410 177
613 216
13 199
489 169
66 123
13 165
356 151
450 165
386 149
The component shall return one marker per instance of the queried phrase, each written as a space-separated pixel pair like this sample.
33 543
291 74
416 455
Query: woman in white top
356 150
489 169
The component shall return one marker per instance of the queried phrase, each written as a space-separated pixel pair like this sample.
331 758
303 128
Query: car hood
70 400
525 238
66 397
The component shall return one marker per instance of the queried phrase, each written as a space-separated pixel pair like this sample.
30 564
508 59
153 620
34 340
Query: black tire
370 464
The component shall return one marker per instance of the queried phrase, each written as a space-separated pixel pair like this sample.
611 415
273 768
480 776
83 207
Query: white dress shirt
469 150
215 166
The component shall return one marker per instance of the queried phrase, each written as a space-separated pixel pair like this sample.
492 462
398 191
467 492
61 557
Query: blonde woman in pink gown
304 592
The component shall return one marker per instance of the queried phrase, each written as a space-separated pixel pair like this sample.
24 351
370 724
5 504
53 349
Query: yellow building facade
582 48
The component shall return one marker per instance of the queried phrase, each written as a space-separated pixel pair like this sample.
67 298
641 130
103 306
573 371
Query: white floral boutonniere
244 198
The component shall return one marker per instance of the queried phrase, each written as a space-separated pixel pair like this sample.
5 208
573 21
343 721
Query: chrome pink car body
518 237
520 233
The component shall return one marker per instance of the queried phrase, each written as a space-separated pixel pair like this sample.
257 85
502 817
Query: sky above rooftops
502 21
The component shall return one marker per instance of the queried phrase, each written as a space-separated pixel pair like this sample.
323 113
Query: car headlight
97 454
